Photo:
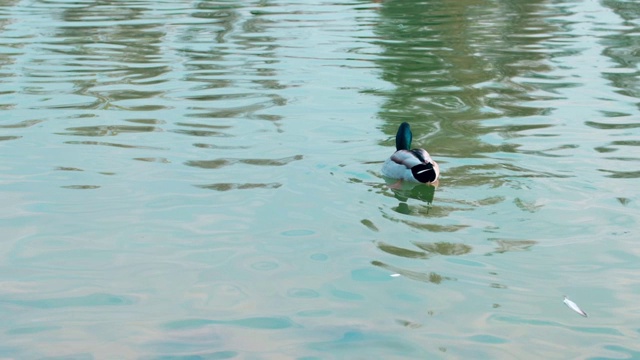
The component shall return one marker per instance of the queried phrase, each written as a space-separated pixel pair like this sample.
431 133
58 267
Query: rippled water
201 179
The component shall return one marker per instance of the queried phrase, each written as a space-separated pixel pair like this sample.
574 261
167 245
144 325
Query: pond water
201 179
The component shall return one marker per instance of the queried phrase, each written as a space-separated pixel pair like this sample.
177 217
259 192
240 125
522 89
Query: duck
412 165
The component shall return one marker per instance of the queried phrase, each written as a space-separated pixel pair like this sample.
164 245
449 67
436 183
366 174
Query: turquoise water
201 179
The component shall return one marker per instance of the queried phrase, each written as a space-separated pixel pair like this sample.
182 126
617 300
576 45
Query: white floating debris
574 307
394 275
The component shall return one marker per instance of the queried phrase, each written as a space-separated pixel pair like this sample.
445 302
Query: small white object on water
574 307
394 275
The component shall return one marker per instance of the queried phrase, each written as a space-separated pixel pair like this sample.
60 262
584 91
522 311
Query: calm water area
201 179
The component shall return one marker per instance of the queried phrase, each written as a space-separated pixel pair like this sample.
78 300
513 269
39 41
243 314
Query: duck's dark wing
423 155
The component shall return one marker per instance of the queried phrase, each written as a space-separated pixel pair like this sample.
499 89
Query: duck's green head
403 137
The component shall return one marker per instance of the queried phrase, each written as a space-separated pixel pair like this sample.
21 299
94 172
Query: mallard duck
410 165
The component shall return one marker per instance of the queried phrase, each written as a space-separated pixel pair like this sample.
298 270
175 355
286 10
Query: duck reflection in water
419 192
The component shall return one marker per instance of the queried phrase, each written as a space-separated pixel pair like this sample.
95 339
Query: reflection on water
504 245
228 186
214 164
121 117
422 276
430 249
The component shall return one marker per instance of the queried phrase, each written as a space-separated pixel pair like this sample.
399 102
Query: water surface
200 179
